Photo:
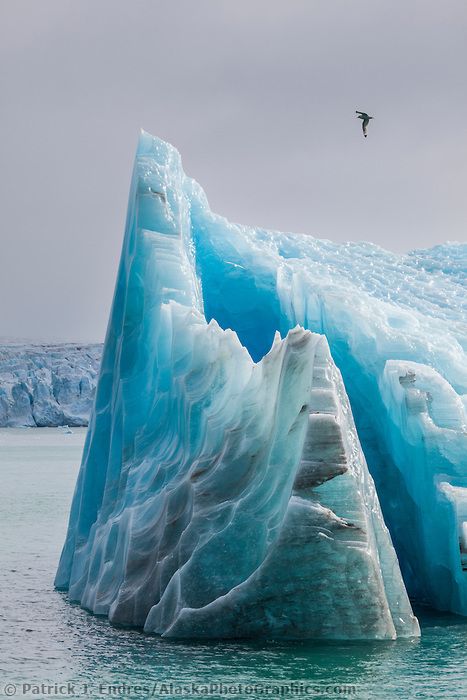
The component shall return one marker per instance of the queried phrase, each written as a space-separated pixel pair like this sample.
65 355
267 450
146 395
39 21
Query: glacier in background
223 490
43 385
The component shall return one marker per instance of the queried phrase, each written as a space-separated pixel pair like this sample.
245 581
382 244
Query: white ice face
47 385
223 490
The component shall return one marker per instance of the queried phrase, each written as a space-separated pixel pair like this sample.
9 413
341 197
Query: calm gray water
45 640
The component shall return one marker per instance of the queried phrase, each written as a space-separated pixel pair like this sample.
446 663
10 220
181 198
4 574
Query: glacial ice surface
47 385
223 490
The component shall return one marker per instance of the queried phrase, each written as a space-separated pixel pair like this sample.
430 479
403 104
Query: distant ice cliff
47 385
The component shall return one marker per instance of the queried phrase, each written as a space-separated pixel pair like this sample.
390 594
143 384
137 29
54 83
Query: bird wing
365 123
158 194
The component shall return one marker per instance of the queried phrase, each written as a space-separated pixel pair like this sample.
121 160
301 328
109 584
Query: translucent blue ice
397 329
223 490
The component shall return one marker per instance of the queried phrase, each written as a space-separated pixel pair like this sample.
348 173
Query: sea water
49 648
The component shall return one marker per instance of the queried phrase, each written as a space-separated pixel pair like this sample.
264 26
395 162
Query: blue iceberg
223 490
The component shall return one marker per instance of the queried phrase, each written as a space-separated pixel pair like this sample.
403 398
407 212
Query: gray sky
258 95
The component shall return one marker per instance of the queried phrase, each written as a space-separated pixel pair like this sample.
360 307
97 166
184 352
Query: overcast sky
259 96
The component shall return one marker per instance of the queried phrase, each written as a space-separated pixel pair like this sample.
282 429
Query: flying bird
365 121
161 195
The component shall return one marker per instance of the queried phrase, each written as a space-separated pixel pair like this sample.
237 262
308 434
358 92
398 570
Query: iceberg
223 490
47 385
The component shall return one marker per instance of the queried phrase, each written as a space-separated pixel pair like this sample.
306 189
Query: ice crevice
223 490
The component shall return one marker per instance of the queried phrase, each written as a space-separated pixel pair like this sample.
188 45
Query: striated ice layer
221 495
47 385
331 572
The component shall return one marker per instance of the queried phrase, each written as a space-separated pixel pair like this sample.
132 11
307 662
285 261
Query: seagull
366 120
161 195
